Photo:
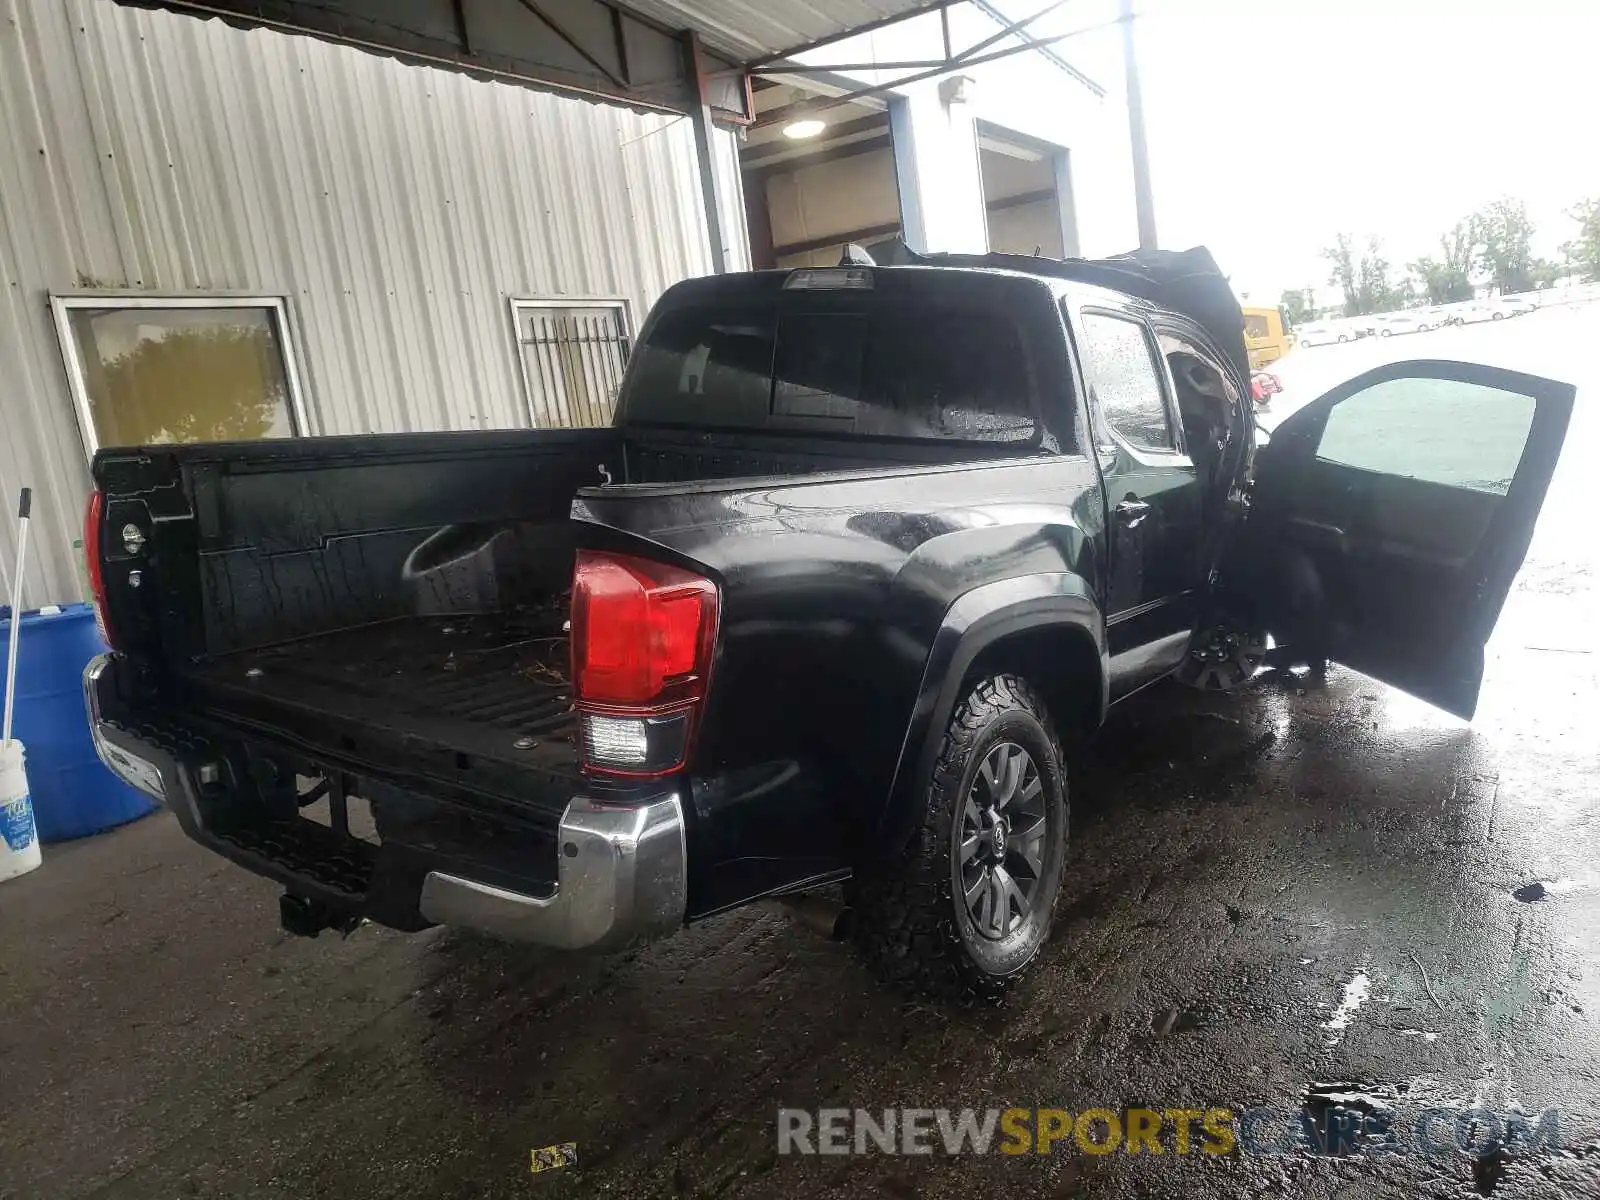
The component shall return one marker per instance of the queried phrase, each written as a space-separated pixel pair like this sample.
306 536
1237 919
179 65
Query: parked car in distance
1388 324
1321 333
1511 306
1468 312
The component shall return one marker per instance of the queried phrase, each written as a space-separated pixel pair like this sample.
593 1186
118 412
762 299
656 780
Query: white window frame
519 304
62 304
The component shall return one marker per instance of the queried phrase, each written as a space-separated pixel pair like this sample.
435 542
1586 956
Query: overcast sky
1274 124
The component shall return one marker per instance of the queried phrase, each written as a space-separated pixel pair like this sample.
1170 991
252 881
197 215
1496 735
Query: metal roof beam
1045 52
865 27
596 49
809 107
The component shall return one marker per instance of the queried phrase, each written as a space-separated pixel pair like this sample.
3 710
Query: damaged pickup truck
865 553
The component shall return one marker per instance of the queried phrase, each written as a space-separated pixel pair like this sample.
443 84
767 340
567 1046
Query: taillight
93 519
642 639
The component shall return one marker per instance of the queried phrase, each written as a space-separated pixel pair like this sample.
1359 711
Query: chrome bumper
622 870
623 879
136 772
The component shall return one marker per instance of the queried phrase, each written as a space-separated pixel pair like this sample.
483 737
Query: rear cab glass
922 359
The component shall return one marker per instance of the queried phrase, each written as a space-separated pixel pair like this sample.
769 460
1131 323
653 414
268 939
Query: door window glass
149 374
1123 379
1445 431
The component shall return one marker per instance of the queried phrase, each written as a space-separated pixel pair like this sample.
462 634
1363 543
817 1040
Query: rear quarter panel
835 592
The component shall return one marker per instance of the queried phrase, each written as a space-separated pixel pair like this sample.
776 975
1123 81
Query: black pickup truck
864 550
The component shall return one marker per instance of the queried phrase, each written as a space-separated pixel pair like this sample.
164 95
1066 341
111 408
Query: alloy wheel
999 841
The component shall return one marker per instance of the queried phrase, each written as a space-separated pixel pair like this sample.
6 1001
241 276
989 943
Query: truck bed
475 684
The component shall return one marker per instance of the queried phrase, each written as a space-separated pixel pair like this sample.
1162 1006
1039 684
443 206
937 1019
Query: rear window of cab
841 365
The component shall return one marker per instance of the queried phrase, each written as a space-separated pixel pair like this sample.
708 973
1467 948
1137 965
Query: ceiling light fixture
805 127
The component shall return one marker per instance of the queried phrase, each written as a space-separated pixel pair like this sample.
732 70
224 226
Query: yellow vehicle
1266 335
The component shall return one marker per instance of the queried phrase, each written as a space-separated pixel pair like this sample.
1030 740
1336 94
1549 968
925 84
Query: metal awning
649 54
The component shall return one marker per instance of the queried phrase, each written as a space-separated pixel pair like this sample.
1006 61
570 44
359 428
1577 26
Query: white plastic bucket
19 840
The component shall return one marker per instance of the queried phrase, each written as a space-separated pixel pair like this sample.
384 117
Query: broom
16 611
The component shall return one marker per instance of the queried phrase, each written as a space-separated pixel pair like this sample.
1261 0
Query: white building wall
1031 95
1025 93
396 207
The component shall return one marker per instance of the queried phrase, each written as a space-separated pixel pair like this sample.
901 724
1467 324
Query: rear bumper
623 879
621 873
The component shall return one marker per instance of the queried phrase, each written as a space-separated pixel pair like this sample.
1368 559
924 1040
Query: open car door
1389 518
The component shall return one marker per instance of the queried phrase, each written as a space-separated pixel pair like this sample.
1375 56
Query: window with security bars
573 354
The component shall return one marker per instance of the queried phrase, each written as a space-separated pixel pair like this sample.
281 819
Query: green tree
1545 271
1376 292
1505 245
1441 283
1341 261
1296 304
1583 251
1365 281
1448 278
1460 246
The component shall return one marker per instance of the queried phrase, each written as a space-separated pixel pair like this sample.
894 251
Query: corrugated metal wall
398 208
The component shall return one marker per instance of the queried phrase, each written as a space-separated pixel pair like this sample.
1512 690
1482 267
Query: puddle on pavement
1177 1020
1343 1118
1339 1119
1355 995
1544 889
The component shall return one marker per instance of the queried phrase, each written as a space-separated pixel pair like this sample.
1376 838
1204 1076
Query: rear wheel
965 911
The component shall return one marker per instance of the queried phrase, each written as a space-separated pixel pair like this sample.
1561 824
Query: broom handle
16 610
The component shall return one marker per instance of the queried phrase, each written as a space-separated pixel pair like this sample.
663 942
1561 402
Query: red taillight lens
93 520
640 631
642 639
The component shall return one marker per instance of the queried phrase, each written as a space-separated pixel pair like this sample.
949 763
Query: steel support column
1143 201
1066 203
705 150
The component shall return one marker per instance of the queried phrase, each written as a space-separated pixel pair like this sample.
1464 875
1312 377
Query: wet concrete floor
1318 899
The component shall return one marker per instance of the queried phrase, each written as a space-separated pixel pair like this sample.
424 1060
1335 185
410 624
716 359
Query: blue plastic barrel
73 793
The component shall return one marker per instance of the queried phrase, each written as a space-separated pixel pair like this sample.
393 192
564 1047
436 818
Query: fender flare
977 620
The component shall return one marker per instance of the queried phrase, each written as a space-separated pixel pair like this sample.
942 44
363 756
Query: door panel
1390 517
1152 496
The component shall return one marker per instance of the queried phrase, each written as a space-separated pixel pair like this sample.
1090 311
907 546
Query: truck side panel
836 590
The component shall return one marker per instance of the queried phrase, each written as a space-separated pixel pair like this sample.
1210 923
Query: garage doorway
808 197
1027 194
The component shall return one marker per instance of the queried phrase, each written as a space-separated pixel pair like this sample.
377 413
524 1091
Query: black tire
912 925
1344 337
1499 316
